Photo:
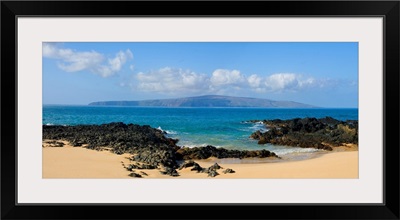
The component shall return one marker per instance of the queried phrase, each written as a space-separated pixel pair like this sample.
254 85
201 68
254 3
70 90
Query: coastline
79 162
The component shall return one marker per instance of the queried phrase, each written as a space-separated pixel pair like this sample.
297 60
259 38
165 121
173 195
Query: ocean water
220 127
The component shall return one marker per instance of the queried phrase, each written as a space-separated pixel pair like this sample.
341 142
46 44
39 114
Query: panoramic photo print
189 110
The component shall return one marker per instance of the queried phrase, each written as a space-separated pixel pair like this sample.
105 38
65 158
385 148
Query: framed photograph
271 109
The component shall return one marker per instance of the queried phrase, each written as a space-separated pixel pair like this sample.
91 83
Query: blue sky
323 74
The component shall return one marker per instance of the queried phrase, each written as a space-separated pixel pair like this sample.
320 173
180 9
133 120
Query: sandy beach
78 162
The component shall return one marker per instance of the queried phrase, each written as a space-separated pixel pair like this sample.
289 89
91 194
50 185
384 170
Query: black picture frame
11 10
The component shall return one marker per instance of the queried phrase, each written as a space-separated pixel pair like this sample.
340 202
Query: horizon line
314 107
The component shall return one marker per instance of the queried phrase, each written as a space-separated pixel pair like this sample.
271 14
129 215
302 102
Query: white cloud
254 81
277 82
119 60
281 81
74 61
226 77
222 81
78 61
171 80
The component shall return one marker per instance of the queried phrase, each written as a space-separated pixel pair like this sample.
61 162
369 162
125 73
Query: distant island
207 101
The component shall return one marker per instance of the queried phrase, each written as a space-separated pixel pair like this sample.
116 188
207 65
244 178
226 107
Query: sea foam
167 131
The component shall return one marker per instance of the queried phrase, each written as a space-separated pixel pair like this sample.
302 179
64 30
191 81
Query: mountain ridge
207 101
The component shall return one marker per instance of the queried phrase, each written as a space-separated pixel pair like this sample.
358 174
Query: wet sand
78 162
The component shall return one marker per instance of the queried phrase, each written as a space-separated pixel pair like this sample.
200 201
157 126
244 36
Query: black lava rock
149 146
228 170
308 132
135 175
170 172
212 173
197 167
197 153
186 164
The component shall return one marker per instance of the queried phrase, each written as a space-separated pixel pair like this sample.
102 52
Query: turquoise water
220 127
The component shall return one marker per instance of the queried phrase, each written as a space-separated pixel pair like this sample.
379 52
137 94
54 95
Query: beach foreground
79 162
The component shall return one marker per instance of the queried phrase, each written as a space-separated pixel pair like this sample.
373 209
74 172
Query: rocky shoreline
324 133
150 148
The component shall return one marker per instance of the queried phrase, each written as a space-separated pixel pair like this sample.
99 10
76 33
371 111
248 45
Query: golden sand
78 162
